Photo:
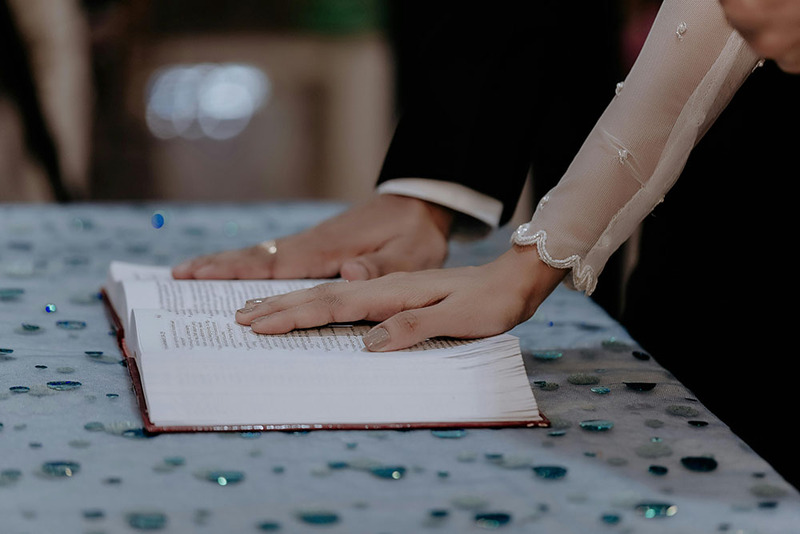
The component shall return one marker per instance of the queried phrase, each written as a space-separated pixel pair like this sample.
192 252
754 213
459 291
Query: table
629 449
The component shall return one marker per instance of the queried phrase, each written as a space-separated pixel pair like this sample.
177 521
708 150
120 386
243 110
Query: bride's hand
465 302
386 234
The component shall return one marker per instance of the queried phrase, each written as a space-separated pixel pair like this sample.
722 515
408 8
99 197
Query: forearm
689 68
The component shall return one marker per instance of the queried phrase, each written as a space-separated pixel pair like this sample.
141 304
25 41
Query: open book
194 368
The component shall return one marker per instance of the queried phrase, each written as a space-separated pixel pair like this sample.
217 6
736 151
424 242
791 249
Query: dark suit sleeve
480 75
468 118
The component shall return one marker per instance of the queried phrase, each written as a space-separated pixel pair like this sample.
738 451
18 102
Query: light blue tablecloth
74 460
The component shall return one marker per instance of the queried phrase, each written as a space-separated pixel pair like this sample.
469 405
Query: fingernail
376 338
250 302
244 310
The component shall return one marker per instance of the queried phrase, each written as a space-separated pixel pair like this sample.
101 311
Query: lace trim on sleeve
583 276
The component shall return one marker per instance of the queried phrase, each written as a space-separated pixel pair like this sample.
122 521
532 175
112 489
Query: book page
205 370
336 388
148 286
158 330
211 297
120 270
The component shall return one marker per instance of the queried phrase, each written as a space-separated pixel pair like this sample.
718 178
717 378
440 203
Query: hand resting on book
464 302
386 234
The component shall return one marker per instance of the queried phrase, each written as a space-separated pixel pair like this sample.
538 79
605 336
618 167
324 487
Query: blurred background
203 100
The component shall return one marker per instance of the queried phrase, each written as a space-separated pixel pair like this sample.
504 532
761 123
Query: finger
322 295
408 328
249 263
304 316
308 309
336 302
211 266
396 255
250 311
307 265
189 268
389 258
255 308
186 269
215 271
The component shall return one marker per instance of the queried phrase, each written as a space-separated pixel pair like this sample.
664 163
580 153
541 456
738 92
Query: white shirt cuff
457 197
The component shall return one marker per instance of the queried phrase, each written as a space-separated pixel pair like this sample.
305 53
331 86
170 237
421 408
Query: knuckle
333 302
320 291
326 294
407 322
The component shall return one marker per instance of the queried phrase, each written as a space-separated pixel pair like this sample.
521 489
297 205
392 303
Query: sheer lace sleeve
690 66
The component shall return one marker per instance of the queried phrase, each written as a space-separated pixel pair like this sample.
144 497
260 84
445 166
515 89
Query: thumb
404 329
372 265
399 254
356 269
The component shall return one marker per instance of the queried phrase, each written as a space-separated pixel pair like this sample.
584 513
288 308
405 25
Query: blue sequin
550 472
492 520
391 472
224 477
597 425
548 355
640 386
610 518
9 476
59 469
64 385
158 220
656 510
10 293
453 433
71 325
318 517
658 470
702 464
147 520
